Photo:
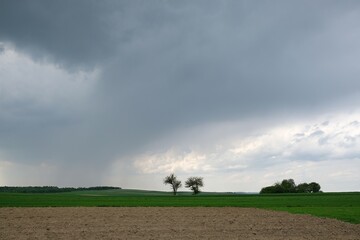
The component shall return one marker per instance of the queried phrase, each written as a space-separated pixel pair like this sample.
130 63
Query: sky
123 93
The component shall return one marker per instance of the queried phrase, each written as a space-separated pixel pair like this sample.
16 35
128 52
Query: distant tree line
51 189
289 186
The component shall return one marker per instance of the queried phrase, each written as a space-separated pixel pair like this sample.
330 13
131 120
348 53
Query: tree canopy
194 183
289 186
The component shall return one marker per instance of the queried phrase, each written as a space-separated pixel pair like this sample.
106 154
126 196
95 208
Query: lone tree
175 184
194 183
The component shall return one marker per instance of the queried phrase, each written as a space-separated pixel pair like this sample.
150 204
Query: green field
343 206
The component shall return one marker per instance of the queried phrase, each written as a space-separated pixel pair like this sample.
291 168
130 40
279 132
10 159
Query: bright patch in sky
305 150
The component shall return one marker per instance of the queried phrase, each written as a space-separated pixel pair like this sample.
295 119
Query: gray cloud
70 33
166 66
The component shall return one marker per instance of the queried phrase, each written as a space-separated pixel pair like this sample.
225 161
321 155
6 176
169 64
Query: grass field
342 206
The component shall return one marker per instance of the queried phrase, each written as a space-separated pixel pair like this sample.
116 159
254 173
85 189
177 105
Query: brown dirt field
167 223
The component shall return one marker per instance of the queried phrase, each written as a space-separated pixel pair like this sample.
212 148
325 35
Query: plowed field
167 223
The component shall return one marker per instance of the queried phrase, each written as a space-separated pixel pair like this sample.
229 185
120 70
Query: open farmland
342 206
135 214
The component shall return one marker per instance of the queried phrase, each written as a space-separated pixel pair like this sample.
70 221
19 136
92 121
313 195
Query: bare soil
167 223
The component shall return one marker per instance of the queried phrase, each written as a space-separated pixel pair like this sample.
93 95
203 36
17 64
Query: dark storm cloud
169 65
65 31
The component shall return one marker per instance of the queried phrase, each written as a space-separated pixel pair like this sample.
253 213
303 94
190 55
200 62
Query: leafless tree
175 184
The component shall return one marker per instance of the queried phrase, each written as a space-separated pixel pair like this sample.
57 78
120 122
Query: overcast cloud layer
244 93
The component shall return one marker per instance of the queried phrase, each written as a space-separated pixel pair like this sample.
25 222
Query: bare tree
175 184
194 183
